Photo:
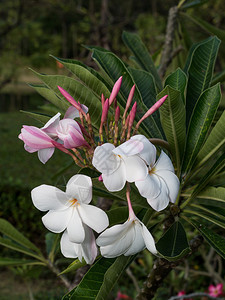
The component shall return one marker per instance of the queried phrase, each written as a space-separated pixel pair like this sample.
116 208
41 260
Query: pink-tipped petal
130 97
132 114
69 98
115 90
102 100
35 138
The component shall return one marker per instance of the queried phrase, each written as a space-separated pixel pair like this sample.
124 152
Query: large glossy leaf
178 81
211 211
99 280
77 90
115 68
135 44
200 71
173 244
50 95
200 123
214 239
172 115
9 230
85 74
214 142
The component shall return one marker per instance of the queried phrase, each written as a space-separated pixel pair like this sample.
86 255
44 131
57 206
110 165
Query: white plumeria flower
120 164
127 239
161 186
87 249
70 210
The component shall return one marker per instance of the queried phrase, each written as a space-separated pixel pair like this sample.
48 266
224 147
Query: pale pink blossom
216 291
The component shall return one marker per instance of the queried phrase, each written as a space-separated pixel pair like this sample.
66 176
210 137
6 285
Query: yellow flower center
73 201
151 171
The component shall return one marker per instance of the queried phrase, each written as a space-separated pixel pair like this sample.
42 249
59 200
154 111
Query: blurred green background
32 30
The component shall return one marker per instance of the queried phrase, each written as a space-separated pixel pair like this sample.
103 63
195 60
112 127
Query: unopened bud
115 90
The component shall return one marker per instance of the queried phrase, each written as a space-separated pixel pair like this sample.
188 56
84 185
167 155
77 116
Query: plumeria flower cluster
122 156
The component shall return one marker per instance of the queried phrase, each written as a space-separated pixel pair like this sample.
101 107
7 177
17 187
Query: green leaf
215 240
4 261
178 81
173 244
211 193
135 44
89 172
190 4
114 68
172 115
146 85
43 119
207 26
214 143
99 280
77 90
216 168
206 217
9 230
87 75
51 96
200 123
75 265
220 77
200 71
120 214
17 247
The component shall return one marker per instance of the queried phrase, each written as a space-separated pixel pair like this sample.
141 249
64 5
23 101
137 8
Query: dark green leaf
178 81
115 68
172 115
99 280
10 231
220 77
77 90
173 244
200 71
190 4
215 240
89 172
200 123
87 75
215 142
135 44
75 265
4 261
51 96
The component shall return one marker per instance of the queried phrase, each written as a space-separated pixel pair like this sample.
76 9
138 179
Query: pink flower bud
70 99
103 100
115 90
132 114
105 111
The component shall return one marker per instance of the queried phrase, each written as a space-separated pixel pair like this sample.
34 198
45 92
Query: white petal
110 235
115 181
149 241
172 183
89 248
162 200
47 197
104 160
75 227
121 245
67 248
164 163
148 154
53 122
80 187
138 243
57 221
150 187
128 148
136 168
71 113
45 154
94 217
